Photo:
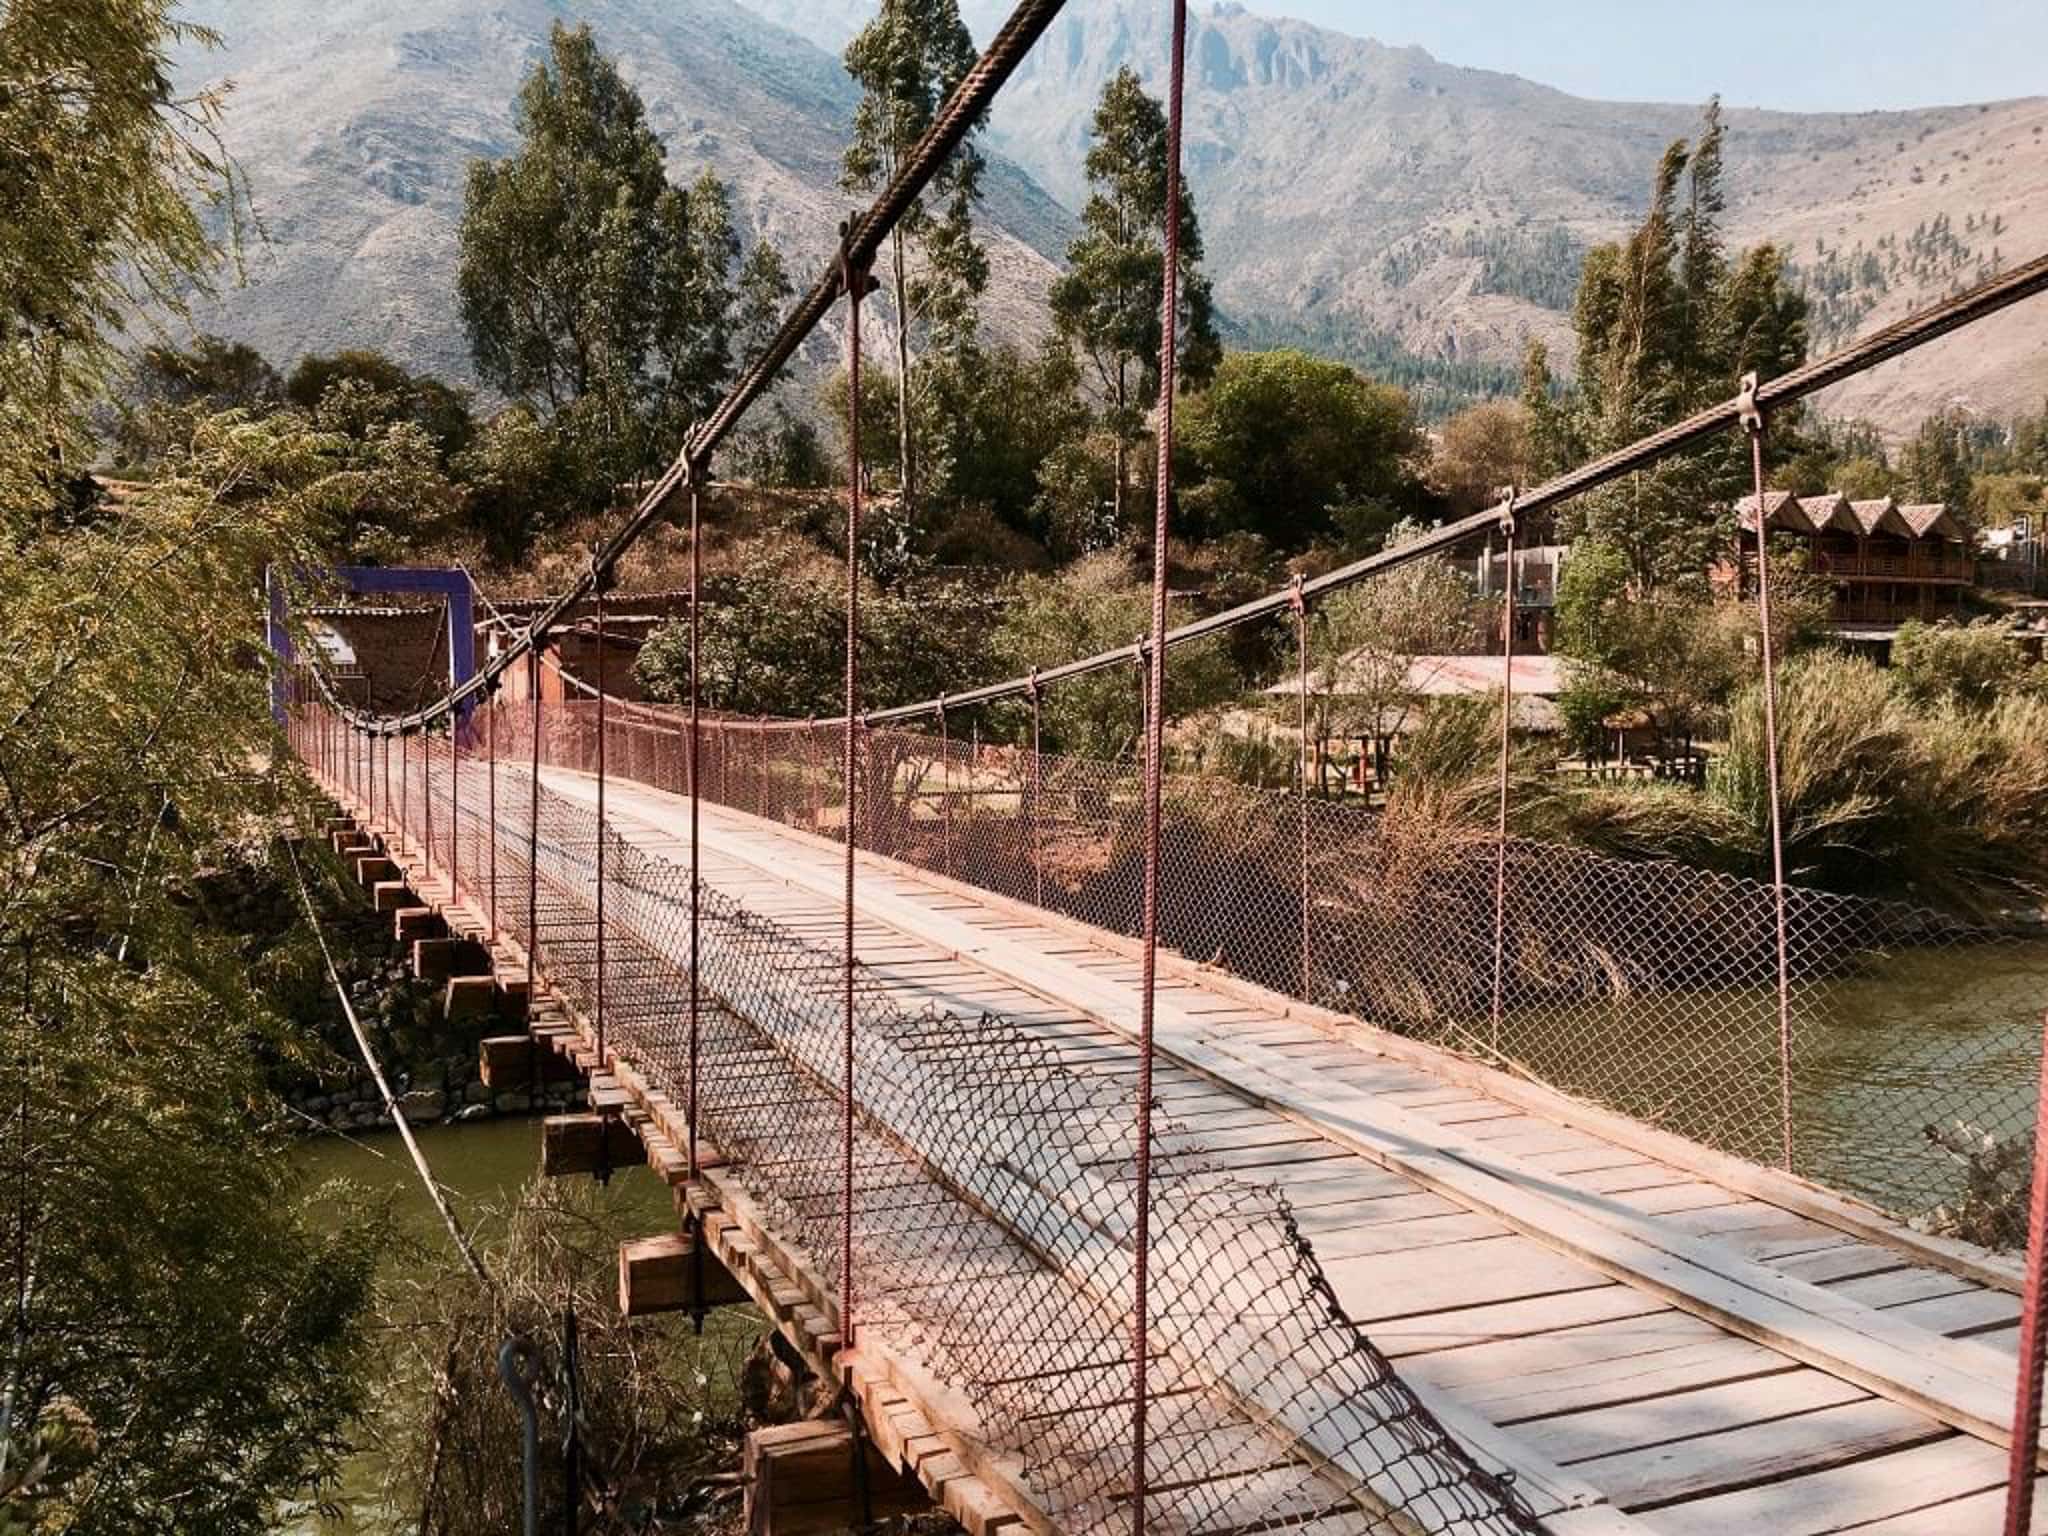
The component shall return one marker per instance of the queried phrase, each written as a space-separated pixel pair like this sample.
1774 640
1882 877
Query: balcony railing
1916 566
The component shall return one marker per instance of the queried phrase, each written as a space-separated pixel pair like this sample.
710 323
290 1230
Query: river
483 1165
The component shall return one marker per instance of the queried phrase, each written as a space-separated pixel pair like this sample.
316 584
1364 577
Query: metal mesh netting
1646 986
993 1199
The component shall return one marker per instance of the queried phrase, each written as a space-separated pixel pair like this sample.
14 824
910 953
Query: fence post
856 283
1300 605
1037 853
2026 1413
1752 418
1141 1237
945 792
1507 725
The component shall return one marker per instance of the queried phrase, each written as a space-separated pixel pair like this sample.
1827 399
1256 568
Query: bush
1947 806
1945 663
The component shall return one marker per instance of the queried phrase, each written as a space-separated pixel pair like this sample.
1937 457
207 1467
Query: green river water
483 1165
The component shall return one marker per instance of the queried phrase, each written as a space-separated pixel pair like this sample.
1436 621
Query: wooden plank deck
1697 1355
1654 1338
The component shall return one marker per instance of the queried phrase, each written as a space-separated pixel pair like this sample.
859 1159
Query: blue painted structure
362 580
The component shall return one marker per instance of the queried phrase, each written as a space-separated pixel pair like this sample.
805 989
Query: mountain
1366 200
354 122
1354 194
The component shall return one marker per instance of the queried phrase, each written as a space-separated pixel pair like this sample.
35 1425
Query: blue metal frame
446 582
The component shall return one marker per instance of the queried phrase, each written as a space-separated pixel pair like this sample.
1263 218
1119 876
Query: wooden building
1887 563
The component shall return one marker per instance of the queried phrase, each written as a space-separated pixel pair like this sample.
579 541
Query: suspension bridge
1133 1151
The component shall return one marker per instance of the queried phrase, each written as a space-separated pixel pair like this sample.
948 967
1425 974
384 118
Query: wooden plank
1883 1487
1801 1444
1661 1418
671 1273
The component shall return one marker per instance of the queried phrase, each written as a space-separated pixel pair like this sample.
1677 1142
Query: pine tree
907 61
1108 303
1666 326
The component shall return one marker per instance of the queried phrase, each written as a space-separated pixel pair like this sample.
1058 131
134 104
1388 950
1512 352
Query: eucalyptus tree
1107 304
907 61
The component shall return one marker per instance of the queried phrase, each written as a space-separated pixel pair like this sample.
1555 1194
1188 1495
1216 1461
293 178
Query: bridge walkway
1653 1337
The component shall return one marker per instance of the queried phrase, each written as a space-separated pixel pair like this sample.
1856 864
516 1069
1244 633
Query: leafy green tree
516 478
1376 630
169 387
440 410
1095 605
591 289
993 420
1552 449
1933 465
773 637
1280 441
174 1313
1480 451
116 198
1108 303
907 61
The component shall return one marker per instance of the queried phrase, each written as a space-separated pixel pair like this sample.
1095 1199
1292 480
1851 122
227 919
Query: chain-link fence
992 1199
1902 1071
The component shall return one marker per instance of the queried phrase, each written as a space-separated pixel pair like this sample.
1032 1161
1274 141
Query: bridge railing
1647 987
990 1230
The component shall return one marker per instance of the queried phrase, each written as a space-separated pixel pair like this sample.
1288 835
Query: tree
1672 654
1092 606
1933 467
773 637
993 420
1665 325
1481 451
907 61
176 1318
438 409
116 198
1280 442
1377 629
1108 303
170 386
591 289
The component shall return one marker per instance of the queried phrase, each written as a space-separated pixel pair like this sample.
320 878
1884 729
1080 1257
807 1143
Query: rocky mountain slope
354 122
1354 192
1358 198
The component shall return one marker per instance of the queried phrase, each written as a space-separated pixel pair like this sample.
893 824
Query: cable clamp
603 569
1747 411
856 278
1031 684
1296 599
1511 499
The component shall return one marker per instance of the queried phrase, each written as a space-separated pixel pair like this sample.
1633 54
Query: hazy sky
1818 55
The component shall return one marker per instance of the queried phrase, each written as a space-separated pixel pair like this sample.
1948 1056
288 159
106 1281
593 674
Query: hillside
354 123
1365 200
1353 192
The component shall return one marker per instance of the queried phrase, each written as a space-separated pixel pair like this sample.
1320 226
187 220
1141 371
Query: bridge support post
800 1479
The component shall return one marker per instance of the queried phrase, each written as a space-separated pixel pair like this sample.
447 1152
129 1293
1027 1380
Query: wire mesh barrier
992 1211
1648 987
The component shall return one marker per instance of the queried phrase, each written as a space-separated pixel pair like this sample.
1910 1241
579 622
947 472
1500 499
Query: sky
1811 55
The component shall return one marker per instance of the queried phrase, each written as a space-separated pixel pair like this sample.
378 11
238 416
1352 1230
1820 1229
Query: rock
340 1116
477 1092
423 1104
319 1104
511 1103
474 1111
